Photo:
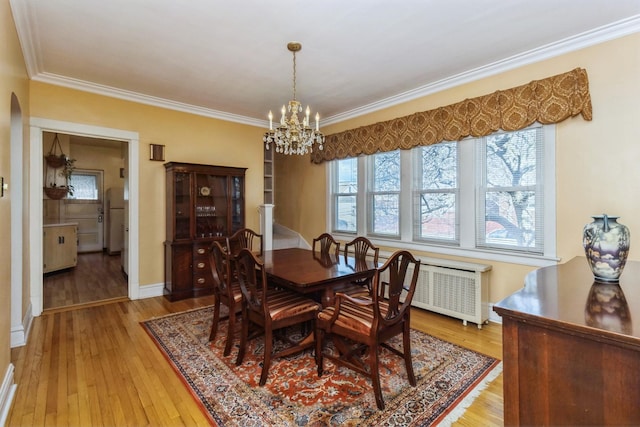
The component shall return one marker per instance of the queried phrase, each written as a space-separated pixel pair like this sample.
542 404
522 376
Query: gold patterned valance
550 100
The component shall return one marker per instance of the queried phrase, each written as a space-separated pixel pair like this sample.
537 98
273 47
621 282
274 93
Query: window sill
472 253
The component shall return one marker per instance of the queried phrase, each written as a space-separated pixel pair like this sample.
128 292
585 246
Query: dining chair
270 309
357 324
360 249
325 245
245 238
226 291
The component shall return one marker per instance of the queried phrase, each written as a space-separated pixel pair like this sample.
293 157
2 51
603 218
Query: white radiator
453 288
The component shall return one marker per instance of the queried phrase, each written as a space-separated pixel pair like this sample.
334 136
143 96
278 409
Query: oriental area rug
448 378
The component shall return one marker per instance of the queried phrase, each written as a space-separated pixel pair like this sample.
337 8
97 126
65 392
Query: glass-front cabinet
204 203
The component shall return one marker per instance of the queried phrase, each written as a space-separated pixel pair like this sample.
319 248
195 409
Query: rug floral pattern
295 396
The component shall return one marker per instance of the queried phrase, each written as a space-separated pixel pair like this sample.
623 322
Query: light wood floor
97 277
97 366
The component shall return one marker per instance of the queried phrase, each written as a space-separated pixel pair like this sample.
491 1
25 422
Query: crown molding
27 35
599 35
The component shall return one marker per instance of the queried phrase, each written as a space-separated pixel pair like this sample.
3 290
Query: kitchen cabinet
59 246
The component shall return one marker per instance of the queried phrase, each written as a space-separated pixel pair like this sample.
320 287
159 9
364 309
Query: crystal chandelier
291 136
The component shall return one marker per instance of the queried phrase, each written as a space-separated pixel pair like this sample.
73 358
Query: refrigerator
114 220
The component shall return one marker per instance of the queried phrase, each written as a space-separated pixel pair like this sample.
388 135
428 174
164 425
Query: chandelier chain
294 76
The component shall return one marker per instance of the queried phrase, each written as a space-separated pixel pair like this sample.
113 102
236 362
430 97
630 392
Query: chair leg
406 348
216 319
268 349
243 335
319 355
375 375
230 331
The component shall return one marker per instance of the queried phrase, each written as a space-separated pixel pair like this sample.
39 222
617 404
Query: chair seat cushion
285 304
352 317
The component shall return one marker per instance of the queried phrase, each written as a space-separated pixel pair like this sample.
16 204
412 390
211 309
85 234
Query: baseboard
150 291
7 392
20 333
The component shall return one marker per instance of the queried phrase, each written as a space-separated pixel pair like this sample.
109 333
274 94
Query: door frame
37 127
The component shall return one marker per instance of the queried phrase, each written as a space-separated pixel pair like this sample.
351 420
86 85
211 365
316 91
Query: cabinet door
212 206
182 205
237 203
60 247
178 271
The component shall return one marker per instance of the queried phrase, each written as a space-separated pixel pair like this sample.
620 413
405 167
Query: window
85 184
345 191
384 194
488 198
510 191
436 192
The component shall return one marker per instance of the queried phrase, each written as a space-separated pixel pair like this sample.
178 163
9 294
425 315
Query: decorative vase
606 244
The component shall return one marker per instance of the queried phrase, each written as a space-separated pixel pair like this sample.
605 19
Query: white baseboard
7 392
150 291
20 333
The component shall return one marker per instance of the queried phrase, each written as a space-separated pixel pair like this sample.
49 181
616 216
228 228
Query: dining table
308 272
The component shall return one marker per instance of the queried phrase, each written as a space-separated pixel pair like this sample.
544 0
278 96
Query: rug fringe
462 407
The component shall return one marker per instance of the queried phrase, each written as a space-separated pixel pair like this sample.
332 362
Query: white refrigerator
114 220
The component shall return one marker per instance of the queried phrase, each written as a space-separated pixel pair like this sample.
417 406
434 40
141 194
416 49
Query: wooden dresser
572 348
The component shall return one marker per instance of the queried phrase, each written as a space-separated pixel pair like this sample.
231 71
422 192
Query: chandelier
291 136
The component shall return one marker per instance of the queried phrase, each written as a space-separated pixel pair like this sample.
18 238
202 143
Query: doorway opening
88 269
129 256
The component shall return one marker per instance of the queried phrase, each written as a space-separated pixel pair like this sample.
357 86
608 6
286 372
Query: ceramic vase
606 245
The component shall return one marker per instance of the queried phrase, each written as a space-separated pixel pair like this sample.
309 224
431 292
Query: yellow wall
597 161
188 138
13 80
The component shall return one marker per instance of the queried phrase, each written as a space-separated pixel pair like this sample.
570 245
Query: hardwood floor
97 277
97 366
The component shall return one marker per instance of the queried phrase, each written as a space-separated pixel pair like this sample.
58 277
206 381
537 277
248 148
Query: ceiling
228 59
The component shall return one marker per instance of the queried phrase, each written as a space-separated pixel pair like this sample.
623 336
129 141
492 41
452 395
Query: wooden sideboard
571 348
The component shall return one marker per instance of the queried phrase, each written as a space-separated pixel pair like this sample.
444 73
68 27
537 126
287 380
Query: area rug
448 378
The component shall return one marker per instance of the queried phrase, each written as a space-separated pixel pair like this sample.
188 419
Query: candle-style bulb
270 120
317 121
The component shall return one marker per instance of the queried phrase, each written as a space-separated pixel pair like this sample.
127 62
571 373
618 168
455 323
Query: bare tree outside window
510 188
385 194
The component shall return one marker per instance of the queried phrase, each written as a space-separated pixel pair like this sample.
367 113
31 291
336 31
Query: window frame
467 185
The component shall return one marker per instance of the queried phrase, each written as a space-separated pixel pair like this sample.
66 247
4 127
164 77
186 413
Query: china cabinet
204 203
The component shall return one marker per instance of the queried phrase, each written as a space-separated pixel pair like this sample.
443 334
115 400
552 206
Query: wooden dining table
307 272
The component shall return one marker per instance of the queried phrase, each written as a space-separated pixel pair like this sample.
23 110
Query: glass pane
511 159
346 213
510 218
386 214
85 187
439 164
182 187
386 171
347 176
438 216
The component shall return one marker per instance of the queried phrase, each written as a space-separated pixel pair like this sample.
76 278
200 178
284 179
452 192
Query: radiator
452 288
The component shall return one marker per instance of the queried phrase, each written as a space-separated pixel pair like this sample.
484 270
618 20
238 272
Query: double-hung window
383 192
490 198
436 195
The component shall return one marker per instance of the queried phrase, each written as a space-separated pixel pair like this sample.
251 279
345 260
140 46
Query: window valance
546 101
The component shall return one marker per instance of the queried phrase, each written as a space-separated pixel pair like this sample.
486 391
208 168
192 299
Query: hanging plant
54 159
55 191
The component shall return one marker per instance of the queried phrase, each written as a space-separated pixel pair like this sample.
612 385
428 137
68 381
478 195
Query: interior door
86 207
